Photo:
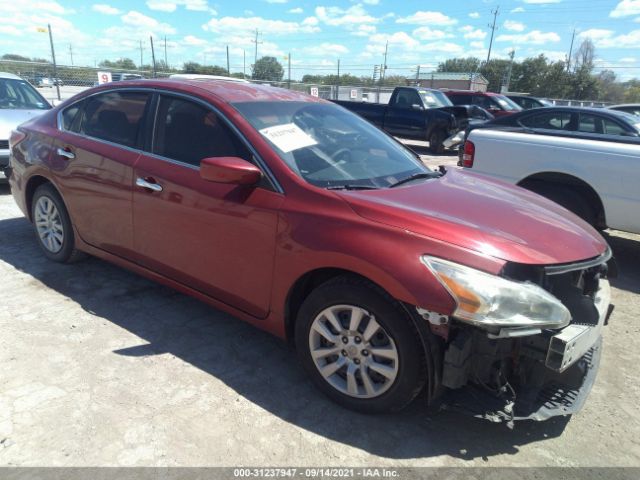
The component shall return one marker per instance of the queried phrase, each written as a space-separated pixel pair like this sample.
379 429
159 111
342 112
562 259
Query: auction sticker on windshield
288 137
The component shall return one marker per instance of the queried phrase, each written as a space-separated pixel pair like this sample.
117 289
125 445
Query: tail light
468 154
15 138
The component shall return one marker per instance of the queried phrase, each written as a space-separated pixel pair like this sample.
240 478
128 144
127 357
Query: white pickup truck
597 180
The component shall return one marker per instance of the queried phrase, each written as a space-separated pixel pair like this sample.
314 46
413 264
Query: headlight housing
493 302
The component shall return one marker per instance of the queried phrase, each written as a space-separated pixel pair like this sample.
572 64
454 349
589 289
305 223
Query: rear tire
377 360
435 142
52 226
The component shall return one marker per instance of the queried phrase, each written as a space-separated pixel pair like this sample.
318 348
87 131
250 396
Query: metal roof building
452 80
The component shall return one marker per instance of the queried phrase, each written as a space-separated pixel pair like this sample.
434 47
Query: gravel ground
102 367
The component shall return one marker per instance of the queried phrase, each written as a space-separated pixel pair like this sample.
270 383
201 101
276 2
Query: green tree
461 65
121 64
267 68
194 67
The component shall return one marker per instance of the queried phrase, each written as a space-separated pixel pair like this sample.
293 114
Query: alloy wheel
353 352
49 224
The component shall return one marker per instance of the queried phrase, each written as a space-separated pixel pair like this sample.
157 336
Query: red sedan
305 220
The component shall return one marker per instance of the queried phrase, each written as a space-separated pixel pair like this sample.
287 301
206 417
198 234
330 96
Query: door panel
401 119
97 188
216 238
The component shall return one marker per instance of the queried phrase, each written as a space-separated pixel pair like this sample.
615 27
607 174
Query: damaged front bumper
535 377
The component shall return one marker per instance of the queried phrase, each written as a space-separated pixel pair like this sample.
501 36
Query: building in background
451 80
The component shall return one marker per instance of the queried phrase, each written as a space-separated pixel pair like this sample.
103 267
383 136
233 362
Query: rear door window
612 128
115 117
549 121
406 98
71 117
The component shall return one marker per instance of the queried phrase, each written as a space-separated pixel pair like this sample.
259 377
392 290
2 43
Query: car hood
487 216
10 119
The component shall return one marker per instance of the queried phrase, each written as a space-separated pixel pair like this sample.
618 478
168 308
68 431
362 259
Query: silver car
19 102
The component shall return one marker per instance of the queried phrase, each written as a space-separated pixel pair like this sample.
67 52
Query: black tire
411 369
435 142
67 253
569 198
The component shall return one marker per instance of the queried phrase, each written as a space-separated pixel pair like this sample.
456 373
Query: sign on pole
353 94
104 77
314 92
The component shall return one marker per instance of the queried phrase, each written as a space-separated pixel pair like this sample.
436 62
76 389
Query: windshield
506 103
329 146
19 95
434 99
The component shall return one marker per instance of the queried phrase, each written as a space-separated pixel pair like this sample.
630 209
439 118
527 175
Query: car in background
495 103
578 122
303 219
632 108
527 102
50 82
19 102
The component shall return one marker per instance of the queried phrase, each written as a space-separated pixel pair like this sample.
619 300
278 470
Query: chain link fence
71 80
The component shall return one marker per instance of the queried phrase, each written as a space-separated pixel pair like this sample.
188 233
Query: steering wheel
338 153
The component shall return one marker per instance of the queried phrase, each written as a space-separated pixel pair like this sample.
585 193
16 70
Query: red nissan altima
306 221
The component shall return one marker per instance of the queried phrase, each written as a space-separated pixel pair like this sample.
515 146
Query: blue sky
317 33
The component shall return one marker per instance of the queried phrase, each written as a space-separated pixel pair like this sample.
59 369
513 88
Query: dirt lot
102 367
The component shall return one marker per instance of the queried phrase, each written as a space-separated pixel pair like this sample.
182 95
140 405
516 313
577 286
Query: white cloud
477 44
628 60
198 6
10 30
535 37
514 26
596 33
336 16
295 10
50 7
276 1
626 8
324 49
517 10
162 6
192 41
427 33
607 39
541 2
449 48
474 15
471 33
237 25
143 22
105 9
428 18
371 2
364 30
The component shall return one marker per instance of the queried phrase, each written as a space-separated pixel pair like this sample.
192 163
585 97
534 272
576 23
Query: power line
256 42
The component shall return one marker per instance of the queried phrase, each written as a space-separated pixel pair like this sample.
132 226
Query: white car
598 180
19 102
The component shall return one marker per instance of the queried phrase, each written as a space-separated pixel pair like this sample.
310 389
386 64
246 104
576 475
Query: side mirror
232 170
55 102
415 106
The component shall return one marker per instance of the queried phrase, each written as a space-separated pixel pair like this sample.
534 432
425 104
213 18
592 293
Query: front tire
435 142
52 225
359 346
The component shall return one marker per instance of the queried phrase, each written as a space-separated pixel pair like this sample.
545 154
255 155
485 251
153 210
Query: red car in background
305 220
498 105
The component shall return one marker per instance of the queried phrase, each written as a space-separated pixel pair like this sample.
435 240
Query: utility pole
571 50
244 64
338 82
55 67
418 76
493 29
228 68
508 76
383 70
71 54
289 75
256 42
166 64
140 54
153 56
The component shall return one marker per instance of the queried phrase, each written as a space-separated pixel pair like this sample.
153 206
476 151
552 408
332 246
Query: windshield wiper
351 187
415 176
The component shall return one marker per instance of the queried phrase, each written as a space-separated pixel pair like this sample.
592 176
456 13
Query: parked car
632 108
576 122
527 102
596 176
50 82
418 113
19 102
305 220
496 104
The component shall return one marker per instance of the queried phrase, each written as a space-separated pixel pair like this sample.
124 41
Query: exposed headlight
490 301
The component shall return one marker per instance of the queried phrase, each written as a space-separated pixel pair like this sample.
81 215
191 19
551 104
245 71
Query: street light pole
55 67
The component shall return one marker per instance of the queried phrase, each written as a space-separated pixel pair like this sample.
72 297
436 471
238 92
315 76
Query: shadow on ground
626 251
256 365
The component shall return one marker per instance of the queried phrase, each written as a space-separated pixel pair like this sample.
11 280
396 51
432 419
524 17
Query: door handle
66 154
141 182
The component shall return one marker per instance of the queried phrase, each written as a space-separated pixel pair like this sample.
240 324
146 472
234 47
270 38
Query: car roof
633 105
623 116
9 75
472 92
224 90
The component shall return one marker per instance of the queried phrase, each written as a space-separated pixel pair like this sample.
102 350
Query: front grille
4 144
